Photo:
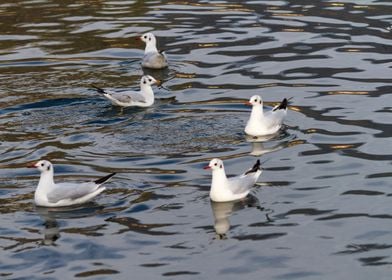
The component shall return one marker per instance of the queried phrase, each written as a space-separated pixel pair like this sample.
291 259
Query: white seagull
261 123
143 98
225 189
50 194
153 58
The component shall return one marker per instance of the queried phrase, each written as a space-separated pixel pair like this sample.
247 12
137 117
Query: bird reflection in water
51 215
259 148
223 210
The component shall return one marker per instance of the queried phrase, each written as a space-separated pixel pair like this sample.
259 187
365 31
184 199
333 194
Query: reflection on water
223 210
326 183
51 230
50 217
265 144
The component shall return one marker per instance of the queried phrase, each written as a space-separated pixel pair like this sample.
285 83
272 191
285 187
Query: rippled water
322 208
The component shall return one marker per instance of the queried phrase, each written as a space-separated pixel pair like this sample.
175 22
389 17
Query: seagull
260 123
153 58
225 189
50 194
142 98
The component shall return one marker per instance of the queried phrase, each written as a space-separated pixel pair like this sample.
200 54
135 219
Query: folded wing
128 96
69 191
274 118
243 183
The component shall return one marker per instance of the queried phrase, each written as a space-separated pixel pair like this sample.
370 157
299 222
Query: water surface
321 209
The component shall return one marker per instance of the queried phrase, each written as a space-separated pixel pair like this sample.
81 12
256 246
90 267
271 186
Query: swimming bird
229 189
267 123
142 98
153 58
50 194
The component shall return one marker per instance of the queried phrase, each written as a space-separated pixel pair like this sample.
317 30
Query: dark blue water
322 208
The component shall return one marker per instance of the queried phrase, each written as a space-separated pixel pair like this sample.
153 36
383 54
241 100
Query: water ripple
324 194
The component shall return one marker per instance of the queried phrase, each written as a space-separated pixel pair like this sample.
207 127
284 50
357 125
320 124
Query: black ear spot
220 166
150 80
48 167
144 82
260 101
149 39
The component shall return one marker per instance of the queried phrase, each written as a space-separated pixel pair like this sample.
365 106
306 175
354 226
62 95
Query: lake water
322 208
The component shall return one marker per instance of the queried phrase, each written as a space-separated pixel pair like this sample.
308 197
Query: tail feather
99 90
104 179
255 168
282 105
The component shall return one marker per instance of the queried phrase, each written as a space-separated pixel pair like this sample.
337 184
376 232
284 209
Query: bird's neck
151 47
257 111
45 181
218 178
147 92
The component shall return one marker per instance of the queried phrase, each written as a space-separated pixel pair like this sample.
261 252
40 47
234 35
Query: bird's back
154 60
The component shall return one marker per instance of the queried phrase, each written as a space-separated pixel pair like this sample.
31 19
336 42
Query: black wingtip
257 165
255 168
161 51
99 90
282 105
104 179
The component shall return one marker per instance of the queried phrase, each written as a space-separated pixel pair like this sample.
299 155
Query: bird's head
215 164
149 80
255 100
42 165
148 38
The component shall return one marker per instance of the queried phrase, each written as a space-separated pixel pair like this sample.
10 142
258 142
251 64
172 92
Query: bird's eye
255 100
42 164
215 164
145 37
144 82
150 80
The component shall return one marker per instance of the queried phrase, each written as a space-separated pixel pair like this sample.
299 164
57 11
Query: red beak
248 103
207 167
31 165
